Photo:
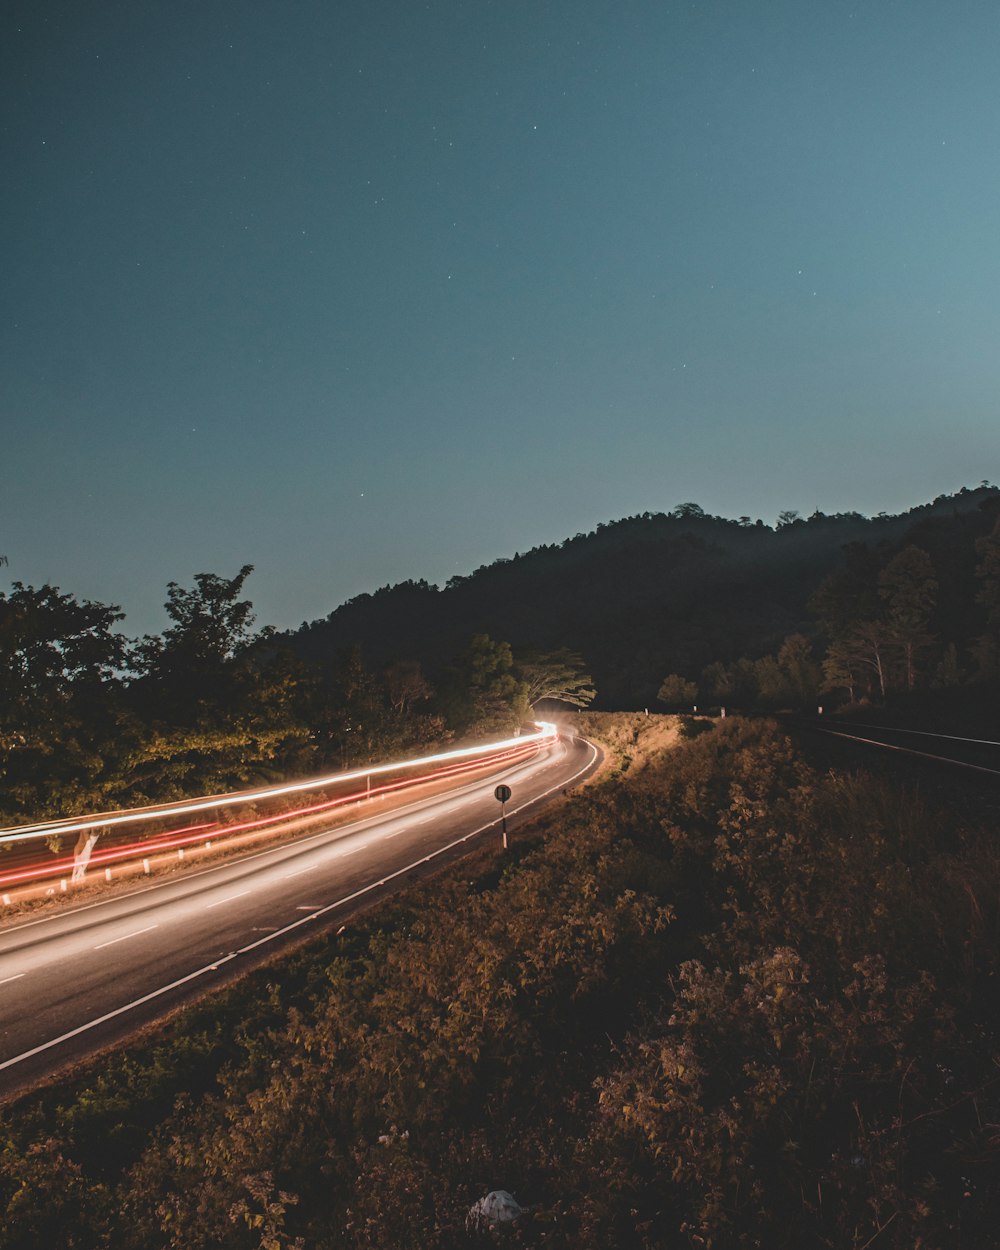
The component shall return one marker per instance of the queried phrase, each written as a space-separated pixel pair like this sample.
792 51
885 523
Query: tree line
888 621
675 592
92 720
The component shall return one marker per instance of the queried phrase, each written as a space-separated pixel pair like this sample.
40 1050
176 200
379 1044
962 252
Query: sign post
502 795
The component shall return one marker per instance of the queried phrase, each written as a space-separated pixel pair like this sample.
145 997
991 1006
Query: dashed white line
297 873
228 899
148 929
16 977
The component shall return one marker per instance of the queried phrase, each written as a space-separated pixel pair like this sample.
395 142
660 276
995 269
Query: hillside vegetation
657 611
717 999
890 601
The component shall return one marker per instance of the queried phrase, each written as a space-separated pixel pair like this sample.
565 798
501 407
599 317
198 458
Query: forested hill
657 593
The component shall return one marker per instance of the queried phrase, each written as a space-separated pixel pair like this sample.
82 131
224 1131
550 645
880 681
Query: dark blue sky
357 291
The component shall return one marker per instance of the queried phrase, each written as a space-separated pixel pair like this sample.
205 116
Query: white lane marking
148 929
367 889
924 733
889 746
297 873
353 852
118 1011
213 967
16 977
228 899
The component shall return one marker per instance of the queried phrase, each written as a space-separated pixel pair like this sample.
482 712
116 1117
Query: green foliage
559 674
908 587
988 596
47 1199
675 690
483 693
790 679
61 713
90 722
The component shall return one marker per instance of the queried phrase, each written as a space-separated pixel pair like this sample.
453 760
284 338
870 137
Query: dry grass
631 739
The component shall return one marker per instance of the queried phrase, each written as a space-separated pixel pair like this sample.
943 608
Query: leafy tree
360 709
949 673
675 690
60 695
849 595
772 686
799 668
221 703
907 587
50 643
843 669
988 573
211 626
988 595
736 684
684 511
482 691
718 682
871 646
406 685
557 674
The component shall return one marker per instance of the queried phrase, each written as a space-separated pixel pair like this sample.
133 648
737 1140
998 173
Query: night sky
357 291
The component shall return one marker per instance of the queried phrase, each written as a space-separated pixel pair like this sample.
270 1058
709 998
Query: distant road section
87 976
969 753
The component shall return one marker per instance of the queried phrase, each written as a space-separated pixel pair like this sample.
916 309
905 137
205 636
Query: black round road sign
502 794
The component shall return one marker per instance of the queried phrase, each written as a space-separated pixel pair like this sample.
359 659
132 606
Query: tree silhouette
675 689
908 587
558 674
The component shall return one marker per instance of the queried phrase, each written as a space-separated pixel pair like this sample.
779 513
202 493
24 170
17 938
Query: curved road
87 977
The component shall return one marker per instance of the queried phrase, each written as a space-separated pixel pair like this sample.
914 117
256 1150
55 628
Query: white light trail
314 913
103 820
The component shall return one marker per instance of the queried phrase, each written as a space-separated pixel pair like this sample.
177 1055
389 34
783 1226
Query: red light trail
456 763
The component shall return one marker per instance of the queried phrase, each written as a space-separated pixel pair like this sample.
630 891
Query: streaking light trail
210 833
546 732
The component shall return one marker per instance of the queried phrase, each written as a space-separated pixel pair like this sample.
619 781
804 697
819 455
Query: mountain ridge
643 595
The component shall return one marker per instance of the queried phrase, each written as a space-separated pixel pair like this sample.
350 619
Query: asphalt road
970 755
83 978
